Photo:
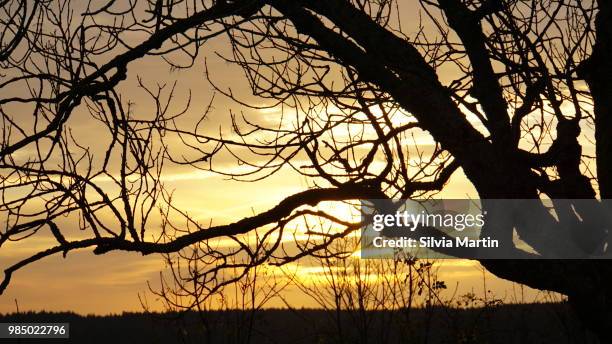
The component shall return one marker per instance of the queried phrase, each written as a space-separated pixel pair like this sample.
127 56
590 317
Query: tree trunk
597 72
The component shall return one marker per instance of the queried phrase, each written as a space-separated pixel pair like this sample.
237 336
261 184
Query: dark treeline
534 323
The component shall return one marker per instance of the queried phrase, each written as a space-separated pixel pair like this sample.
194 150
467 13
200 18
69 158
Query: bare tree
363 298
355 84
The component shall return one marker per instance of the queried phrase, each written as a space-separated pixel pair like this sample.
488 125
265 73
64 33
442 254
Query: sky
116 282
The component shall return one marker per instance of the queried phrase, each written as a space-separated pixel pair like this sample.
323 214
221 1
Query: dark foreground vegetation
534 323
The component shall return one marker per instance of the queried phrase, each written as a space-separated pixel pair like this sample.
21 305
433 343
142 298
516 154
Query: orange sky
111 283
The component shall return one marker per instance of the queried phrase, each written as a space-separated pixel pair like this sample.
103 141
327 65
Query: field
534 323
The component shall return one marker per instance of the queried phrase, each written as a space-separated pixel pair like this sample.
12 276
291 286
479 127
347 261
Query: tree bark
597 72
